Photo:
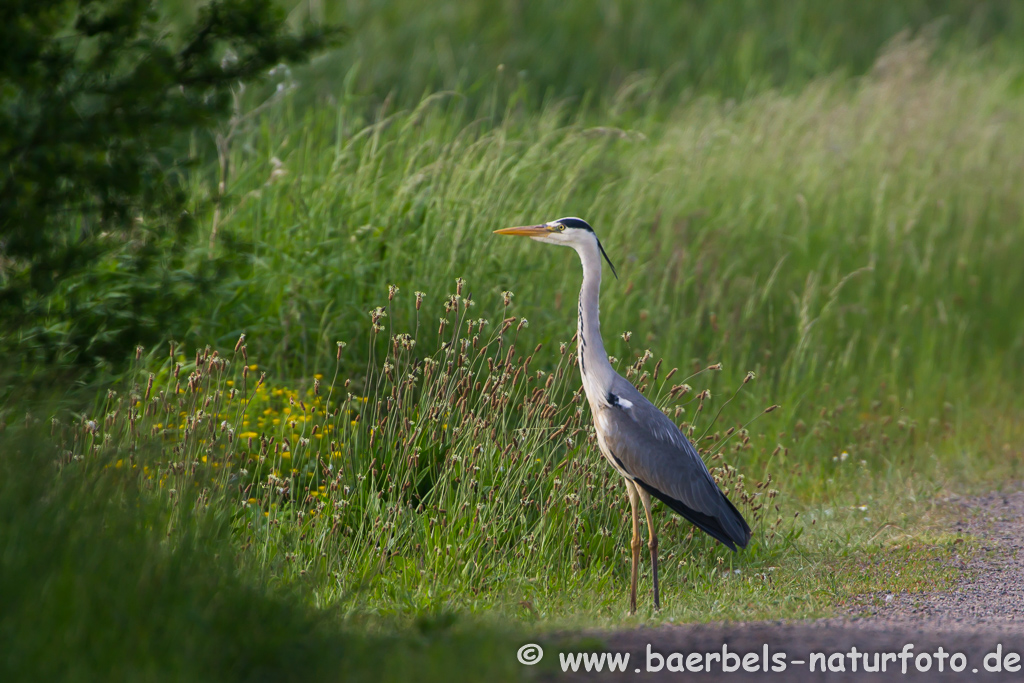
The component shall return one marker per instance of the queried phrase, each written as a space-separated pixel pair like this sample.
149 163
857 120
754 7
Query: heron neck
594 366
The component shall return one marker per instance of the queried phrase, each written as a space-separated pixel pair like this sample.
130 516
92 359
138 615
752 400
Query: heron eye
561 228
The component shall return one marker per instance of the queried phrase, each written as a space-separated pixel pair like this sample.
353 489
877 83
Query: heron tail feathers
726 526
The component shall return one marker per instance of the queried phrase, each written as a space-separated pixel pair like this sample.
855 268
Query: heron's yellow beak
525 231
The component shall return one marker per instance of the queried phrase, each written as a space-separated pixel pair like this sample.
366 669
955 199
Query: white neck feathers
597 372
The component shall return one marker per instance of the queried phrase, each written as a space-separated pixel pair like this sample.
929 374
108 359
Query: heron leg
634 496
652 543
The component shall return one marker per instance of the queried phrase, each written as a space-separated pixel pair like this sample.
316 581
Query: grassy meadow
370 436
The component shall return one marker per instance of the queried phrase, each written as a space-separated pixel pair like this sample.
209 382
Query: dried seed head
392 291
376 315
626 336
750 376
459 284
341 345
506 297
405 341
241 340
419 299
772 408
716 366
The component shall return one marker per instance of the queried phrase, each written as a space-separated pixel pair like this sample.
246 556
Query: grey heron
639 441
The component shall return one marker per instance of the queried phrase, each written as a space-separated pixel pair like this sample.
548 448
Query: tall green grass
848 235
465 476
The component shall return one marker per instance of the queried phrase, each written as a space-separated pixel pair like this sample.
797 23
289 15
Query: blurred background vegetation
825 193
590 50
609 64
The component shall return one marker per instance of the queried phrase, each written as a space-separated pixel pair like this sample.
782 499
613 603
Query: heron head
567 232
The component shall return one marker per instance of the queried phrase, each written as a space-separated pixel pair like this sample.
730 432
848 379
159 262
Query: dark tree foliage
97 99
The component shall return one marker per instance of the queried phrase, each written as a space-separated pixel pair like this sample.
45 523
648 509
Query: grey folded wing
660 459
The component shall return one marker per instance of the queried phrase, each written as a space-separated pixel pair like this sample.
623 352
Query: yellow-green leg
652 543
634 496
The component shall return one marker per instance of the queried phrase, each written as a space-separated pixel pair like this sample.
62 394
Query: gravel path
982 612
